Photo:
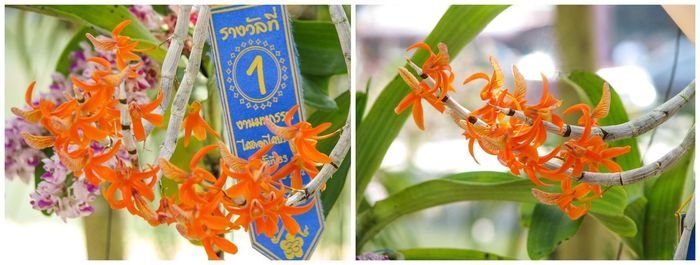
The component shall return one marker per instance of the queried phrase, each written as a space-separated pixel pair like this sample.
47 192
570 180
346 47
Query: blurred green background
632 47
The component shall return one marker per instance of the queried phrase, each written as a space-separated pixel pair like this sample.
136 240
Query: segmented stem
650 170
343 145
127 134
169 67
337 155
179 106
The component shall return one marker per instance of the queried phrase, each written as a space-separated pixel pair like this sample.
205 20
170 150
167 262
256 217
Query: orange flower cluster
204 208
515 142
257 197
93 115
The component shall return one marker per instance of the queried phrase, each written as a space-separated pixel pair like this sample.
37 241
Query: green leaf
458 26
163 10
319 48
104 18
664 198
610 211
448 254
549 227
636 211
316 92
526 210
469 186
361 103
335 184
64 61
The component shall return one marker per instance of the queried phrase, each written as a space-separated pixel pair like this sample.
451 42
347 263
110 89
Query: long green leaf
610 211
468 186
319 48
458 26
335 185
104 18
361 103
660 230
549 227
320 57
316 92
64 61
448 254
636 211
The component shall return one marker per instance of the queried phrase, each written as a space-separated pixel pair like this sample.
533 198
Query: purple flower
54 196
20 158
147 16
372 256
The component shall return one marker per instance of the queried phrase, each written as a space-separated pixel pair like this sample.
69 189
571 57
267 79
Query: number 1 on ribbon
257 64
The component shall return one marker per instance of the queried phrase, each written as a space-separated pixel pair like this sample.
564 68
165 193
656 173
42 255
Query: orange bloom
35 113
419 91
438 67
544 109
195 122
573 201
134 185
303 137
590 151
138 112
494 82
253 176
189 194
94 169
265 214
294 168
123 45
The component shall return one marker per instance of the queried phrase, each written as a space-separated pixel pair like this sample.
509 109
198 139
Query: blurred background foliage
630 47
36 38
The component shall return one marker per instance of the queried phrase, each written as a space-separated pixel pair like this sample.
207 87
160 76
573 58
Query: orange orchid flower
285 212
583 194
123 45
131 183
303 137
438 67
419 91
294 168
253 176
195 123
32 115
544 109
138 112
590 151
494 83
266 214
95 171
189 194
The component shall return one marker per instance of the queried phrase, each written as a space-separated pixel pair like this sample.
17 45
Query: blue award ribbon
257 75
